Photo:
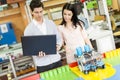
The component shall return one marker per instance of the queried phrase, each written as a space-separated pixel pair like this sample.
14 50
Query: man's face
38 13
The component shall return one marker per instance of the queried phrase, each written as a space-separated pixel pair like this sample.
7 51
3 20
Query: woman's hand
41 54
58 47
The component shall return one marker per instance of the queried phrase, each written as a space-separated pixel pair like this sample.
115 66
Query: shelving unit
55 7
17 16
9 12
50 7
54 3
16 64
23 68
19 68
4 67
100 34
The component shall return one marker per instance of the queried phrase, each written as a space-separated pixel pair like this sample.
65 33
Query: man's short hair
36 4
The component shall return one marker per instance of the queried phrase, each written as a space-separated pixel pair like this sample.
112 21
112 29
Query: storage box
7 35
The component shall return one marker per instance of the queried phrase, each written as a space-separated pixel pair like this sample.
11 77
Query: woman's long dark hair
71 7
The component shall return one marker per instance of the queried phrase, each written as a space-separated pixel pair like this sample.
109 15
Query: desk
65 73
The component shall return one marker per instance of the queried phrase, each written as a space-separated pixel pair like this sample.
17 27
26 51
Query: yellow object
113 22
114 26
100 74
116 33
99 17
117 52
112 53
108 54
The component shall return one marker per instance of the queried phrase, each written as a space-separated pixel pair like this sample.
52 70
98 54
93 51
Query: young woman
72 31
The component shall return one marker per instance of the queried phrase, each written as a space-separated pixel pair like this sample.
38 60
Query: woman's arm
86 39
61 34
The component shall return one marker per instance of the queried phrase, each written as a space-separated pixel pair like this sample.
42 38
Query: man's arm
58 35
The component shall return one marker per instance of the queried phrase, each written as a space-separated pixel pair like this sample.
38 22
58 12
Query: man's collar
36 23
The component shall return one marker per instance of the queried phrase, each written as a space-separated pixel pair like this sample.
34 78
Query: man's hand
41 54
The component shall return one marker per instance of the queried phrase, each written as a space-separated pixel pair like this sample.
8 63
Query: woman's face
38 13
67 14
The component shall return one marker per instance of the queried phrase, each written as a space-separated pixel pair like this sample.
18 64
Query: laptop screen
32 45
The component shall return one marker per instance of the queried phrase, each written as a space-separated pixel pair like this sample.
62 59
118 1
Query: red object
103 55
82 1
32 77
73 64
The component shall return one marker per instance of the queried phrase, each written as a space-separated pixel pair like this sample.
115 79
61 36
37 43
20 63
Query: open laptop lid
32 45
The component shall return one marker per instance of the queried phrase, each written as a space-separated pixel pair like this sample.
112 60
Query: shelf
13 1
22 59
26 75
27 71
58 21
53 3
4 61
4 73
9 12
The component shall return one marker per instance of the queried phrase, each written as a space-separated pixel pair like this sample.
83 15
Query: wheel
103 66
86 72
94 70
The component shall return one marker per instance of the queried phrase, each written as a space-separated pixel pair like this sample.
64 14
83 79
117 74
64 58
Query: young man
41 26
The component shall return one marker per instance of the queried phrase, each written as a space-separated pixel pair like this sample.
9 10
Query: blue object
1 60
79 51
87 67
79 79
87 48
117 74
100 63
7 35
42 79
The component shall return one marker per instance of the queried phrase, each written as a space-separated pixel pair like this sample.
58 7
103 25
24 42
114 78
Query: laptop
32 45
